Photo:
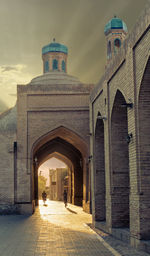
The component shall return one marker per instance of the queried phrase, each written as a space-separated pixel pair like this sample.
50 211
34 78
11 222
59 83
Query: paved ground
54 230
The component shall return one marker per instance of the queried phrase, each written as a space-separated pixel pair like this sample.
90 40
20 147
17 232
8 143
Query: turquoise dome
115 23
55 47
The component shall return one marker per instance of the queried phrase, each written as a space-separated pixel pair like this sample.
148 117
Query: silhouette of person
44 196
65 198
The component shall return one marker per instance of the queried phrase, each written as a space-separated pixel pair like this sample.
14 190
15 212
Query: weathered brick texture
126 80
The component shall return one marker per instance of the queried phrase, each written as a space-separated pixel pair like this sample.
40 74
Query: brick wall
144 150
99 172
126 165
7 168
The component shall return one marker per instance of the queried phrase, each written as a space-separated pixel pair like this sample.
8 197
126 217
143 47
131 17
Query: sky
28 25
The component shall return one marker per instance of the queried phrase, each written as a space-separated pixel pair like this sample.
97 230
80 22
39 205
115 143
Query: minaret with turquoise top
115 32
54 57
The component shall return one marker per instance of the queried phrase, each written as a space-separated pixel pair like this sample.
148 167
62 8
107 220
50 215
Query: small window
46 68
109 50
117 44
55 64
63 66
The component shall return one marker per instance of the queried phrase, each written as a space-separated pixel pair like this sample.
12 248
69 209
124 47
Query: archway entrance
120 163
54 176
72 149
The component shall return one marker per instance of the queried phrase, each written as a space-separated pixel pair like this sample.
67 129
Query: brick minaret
115 32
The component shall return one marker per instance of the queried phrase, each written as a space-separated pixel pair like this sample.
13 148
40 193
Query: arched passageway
120 163
144 150
59 143
58 165
100 205
62 147
54 178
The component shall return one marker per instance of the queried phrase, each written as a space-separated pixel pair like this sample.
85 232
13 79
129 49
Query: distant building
58 183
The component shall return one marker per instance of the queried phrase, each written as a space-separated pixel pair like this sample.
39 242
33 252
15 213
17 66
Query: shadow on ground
71 210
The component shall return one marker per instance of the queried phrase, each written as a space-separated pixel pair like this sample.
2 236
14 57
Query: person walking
44 197
65 198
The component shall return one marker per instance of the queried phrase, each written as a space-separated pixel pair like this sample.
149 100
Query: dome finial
115 16
54 39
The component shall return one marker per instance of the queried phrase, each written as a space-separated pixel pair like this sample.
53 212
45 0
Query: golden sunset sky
27 25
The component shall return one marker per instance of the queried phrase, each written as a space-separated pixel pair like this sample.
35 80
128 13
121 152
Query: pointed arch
69 144
109 50
63 66
55 64
64 133
70 170
58 156
46 66
117 45
99 172
120 162
144 151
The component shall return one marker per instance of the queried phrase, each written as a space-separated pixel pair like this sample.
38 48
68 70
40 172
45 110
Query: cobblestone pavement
54 230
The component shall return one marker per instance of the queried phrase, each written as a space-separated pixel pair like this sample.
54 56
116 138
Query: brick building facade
120 140
51 119
102 131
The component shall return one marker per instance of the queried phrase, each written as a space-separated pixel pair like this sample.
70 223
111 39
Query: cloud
10 76
7 68
12 69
